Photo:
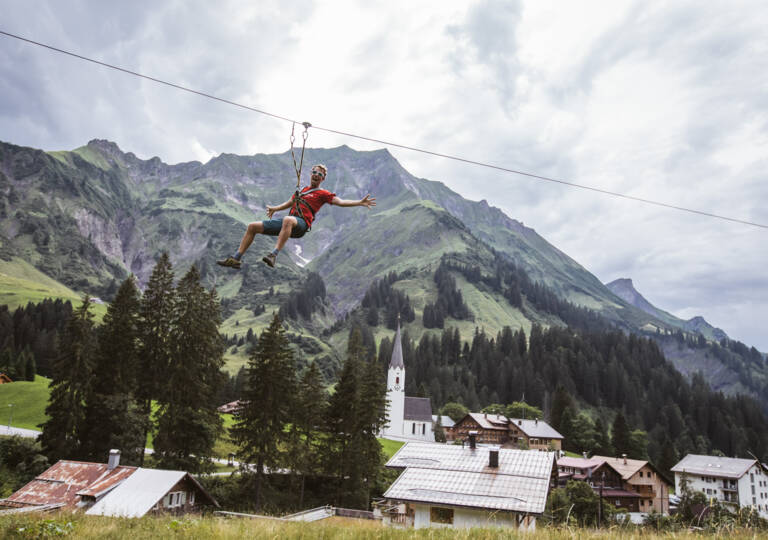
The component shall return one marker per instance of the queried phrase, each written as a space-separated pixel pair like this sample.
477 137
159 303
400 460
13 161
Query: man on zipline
296 224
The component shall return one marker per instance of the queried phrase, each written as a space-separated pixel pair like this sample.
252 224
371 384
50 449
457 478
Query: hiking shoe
231 262
269 258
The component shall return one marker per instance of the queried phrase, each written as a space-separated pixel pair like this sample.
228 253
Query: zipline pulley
304 136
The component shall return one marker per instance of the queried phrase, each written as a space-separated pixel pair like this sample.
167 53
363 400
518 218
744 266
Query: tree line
153 365
292 431
603 376
28 337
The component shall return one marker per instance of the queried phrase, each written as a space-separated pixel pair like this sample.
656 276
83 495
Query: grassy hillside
29 400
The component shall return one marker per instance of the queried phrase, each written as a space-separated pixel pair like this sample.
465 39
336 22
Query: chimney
519 422
486 416
114 459
535 421
584 454
472 440
624 456
493 458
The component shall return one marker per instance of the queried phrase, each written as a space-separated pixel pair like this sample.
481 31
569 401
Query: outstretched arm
272 209
366 201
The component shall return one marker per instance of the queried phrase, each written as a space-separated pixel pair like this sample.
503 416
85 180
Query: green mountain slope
89 217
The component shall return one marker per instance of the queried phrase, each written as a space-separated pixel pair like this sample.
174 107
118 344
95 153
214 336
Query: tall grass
78 525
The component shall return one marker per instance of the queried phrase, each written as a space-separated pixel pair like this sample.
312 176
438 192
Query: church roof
397 351
417 408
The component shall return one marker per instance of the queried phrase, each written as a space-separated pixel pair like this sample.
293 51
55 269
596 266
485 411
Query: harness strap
298 202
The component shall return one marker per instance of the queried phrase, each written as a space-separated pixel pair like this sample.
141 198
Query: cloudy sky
666 101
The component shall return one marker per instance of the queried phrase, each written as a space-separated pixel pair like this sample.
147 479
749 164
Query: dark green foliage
381 295
31 330
620 435
356 413
305 301
113 417
456 411
449 301
188 423
20 461
154 332
70 385
259 429
578 504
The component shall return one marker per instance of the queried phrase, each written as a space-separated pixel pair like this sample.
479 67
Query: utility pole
600 507
10 416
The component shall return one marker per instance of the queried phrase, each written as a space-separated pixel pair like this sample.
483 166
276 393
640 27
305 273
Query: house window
177 498
441 515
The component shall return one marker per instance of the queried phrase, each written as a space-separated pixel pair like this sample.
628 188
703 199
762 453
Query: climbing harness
298 197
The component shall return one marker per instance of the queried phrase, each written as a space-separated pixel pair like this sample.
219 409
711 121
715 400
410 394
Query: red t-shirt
315 200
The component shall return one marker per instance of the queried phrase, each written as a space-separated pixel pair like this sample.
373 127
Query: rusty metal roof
65 481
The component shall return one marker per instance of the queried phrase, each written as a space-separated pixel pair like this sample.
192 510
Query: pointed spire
397 349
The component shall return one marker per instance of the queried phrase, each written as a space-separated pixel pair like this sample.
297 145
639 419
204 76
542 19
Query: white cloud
657 100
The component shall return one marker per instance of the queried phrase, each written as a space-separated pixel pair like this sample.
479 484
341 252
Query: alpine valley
81 221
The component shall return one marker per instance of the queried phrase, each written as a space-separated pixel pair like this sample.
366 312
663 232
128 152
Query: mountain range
83 220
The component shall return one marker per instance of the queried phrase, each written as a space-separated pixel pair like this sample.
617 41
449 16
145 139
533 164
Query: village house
408 418
509 432
446 423
735 482
101 489
632 484
5 379
467 486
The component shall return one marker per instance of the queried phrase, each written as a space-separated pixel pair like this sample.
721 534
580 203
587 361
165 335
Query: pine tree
70 384
155 321
113 416
620 436
188 423
307 416
259 429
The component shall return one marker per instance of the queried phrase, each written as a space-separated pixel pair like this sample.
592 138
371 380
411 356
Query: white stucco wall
426 427
395 402
465 518
712 487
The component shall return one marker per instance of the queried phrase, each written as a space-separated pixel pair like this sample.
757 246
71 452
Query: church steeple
397 350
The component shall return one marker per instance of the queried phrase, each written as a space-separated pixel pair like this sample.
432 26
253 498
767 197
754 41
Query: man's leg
289 222
257 227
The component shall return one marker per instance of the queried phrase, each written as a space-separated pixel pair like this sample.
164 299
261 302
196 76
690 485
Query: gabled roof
461 476
536 428
397 351
445 421
66 480
488 421
417 408
723 467
579 463
139 493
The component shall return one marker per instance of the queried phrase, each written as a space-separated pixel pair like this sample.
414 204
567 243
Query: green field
21 283
28 400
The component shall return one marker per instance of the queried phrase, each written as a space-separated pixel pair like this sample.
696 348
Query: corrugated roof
477 490
65 480
457 458
460 476
138 494
397 351
417 408
724 467
536 428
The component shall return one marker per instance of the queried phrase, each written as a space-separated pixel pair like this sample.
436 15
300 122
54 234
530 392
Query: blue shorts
272 227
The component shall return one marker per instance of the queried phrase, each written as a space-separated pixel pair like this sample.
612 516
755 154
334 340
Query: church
408 418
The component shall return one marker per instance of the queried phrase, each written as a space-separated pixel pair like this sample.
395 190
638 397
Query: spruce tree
188 423
114 418
620 436
307 416
70 384
259 428
155 320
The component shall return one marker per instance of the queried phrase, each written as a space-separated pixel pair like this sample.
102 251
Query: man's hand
368 201
271 211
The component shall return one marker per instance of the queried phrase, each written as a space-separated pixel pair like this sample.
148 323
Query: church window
397 380
413 428
423 428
